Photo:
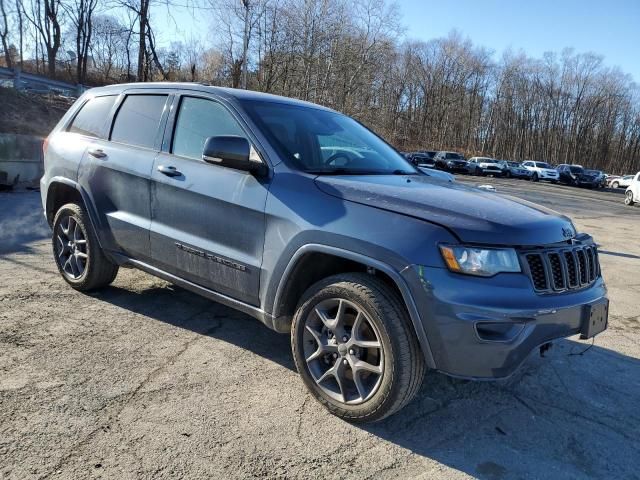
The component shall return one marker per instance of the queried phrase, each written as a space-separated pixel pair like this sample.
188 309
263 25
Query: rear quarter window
90 119
138 119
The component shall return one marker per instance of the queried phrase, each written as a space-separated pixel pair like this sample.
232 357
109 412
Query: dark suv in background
578 176
451 162
302 218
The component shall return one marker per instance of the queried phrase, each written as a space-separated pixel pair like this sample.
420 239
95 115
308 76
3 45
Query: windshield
543 165
320 141
487 160
592 172
514 164
454 156
576 169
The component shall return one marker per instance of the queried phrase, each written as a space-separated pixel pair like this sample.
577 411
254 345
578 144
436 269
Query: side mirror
231 152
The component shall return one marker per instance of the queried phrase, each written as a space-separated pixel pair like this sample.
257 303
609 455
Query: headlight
483 262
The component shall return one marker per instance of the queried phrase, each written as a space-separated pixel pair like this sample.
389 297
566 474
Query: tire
479 172
384 323
615 185
628 198
507 174
76 250
534 177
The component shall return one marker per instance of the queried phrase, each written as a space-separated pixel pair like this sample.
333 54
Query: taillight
45 144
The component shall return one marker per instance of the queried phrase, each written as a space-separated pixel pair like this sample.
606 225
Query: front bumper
487 327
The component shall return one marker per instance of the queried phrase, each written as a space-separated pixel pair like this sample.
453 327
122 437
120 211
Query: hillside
30 114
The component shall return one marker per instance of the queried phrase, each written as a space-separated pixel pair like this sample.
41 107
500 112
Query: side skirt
255 312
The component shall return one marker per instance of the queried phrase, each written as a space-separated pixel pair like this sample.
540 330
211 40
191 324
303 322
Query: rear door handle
169 171
98 153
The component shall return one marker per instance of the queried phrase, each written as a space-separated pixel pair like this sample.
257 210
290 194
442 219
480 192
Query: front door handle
98 153
169 171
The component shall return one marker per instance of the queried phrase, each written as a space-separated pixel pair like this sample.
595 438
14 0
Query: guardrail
38 83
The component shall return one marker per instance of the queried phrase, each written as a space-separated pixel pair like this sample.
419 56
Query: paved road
145 380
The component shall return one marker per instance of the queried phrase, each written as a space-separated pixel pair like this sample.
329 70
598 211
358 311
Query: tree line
350 55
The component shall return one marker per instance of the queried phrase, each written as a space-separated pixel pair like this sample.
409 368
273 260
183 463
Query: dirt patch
31 114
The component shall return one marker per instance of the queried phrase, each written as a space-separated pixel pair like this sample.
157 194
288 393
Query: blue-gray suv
306 220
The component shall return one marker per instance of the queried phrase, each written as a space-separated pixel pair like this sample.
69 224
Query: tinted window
575 169
138 119
543 165
198 119
91 117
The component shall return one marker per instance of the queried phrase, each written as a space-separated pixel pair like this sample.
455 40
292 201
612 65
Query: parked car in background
451 162
484 166
601 178
421 159
541 171
576 175
514 170
621 182
632 194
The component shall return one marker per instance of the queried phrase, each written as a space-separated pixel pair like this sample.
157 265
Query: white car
541 171
484 166
632 194
622 181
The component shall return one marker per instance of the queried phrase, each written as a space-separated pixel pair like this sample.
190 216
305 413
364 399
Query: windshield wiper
344 171
347 171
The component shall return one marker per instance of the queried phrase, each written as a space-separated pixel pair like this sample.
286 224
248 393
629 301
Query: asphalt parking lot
145 380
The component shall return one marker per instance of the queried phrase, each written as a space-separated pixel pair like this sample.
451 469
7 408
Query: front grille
561 269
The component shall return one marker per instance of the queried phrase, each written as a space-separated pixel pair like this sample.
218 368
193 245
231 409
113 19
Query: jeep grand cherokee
306 220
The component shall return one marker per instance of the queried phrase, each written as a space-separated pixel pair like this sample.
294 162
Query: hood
475 216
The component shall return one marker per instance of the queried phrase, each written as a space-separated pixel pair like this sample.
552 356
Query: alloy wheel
628 199
343 351
71 247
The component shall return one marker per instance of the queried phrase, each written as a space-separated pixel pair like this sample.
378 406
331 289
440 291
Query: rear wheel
534 177
78 255
615 185
355 349
628 198
507 174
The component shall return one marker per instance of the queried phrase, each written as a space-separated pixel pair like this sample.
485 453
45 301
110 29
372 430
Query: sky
610 28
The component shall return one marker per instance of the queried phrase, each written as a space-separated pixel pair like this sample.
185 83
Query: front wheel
534 177
78 255
615 185
355 349
628 198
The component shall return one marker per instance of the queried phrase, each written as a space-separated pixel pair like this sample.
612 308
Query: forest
352 56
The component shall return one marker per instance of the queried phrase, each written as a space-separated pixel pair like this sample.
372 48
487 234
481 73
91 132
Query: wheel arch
332 260
60 191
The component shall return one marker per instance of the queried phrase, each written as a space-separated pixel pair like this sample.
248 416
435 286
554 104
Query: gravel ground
145 380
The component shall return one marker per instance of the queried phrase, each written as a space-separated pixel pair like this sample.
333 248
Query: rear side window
92 116
138 119
199 119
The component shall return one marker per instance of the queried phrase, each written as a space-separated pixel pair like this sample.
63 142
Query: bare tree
44 16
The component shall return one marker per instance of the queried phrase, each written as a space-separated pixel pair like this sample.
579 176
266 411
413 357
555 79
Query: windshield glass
543 165
576 169
592 172
514 164
487 160
454 156
319 141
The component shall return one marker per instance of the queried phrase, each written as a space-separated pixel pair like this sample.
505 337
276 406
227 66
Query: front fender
394 274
